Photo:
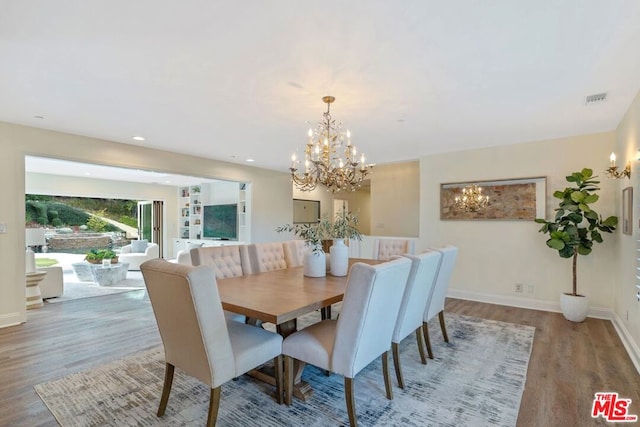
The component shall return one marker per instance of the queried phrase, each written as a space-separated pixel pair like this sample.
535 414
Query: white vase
574 308
339 258
315 263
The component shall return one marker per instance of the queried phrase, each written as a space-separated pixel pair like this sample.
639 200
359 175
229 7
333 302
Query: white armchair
134 254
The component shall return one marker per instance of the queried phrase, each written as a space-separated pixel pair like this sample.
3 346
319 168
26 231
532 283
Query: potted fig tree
575 227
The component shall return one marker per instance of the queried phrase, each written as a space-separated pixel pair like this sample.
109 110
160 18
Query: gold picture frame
627 211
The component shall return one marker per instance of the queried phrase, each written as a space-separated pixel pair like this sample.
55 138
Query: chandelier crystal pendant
472 199
329 158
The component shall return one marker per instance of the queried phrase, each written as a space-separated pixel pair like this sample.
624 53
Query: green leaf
584 207
555 244
575 217
572 178
591 198
577 196
612 221
558 194
583 250
595 235
566 252
541 220
587 173
591 215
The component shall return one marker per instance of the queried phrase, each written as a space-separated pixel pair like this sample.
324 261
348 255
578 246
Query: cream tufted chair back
294 253
225 260
384 249
263 257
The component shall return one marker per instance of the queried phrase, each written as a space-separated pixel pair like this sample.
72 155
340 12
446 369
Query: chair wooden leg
351 404
396 363
166 389
214 404
288 380
387 377
443 327
420 339
277 372
425 329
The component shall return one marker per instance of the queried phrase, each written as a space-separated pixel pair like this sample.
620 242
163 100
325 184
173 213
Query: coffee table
104 275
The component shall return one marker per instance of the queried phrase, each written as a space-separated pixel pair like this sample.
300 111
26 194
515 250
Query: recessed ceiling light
139 138
38 117
250 160
87 174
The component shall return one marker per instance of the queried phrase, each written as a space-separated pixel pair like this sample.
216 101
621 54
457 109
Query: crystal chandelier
329 158
472 199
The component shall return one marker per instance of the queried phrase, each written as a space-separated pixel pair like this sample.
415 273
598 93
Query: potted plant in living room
315 260
345 226
575 227
95 256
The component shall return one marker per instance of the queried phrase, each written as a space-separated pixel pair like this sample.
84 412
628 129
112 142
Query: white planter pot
315 264
574 308
339 258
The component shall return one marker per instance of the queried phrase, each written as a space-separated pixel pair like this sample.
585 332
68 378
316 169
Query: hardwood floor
569 362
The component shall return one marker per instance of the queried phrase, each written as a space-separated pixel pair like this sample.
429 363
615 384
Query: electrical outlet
529 289
518 287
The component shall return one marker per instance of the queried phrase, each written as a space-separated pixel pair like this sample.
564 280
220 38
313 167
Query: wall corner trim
627 340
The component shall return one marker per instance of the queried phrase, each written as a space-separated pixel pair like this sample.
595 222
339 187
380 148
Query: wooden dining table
280 297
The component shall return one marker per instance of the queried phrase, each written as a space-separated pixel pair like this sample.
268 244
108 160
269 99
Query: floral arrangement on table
345 226
312 233
95 256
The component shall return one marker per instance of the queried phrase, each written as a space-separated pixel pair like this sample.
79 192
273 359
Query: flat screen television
220 221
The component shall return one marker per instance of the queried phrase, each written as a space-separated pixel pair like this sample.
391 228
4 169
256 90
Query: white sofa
129 254
53 284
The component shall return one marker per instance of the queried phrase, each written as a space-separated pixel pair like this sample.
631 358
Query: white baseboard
627 340
521 302
11 319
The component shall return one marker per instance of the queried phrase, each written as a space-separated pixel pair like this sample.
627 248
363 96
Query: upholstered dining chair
294 253
196 337
262 257
435 306
362 332
385 249
414 302
225 261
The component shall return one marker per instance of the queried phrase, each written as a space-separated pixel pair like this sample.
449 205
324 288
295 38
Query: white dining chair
385 249
435 305
294 251
196 337
262 257
226 262
362 332
414 302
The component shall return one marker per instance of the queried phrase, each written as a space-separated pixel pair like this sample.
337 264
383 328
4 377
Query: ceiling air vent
595 99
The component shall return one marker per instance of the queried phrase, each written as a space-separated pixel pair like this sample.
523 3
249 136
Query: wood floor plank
569 362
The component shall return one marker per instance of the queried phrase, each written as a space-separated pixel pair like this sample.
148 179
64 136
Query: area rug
75 290
475 380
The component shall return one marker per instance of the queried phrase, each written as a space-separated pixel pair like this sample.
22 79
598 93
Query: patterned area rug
475 380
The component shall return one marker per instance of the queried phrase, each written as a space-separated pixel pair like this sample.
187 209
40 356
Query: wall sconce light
612 171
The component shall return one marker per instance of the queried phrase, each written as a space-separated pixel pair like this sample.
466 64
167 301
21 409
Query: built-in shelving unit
190 225
192 200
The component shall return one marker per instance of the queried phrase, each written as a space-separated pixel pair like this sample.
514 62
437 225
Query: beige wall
395 199
271 192
495 255
626 305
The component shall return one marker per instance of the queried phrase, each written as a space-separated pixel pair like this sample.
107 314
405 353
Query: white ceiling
233 80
